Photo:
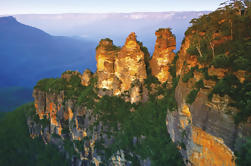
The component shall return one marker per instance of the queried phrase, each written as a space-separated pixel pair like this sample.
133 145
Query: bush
192 51
221 61
192 96
241 63
187 76
199 84
244 152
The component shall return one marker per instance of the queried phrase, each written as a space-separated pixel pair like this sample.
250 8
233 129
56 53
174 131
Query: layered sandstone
130 63
163 55
118 69
205 130
106 53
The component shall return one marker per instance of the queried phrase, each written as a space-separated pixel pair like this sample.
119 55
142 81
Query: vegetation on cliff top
125 122
222 39
139 129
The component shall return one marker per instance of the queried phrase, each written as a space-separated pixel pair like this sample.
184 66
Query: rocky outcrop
86 77
105 56
130 63
67 120
163 55
118 69
205 130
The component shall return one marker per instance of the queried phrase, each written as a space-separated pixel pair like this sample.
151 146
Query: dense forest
18 148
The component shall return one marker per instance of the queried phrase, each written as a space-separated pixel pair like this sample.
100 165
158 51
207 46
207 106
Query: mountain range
28 54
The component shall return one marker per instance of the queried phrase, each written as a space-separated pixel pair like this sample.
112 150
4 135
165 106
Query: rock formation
118 69
105 56
204 130
130 63
86 78
163 55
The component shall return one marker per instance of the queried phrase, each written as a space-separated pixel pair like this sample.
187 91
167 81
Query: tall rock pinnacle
163 55
105 56
130 63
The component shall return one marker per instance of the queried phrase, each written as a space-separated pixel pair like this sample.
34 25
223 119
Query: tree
196 41
210 38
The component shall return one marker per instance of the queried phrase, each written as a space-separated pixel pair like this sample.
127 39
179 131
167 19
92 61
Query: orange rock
213 151
182 55
219 72
163 55
86 78
241 75
130 63
105 56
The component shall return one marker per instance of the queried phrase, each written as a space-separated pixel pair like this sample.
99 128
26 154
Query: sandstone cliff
206 123
123 113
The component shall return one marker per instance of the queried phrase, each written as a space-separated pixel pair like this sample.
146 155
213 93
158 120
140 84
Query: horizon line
12 14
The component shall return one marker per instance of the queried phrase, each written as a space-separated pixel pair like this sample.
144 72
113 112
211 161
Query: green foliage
192 96
139 130
227 27
17 148
227 85
51 84
221 61
239 92
205 74
244 152
192 51
241 63
73 89
187 76
44 122
80 144
199 84
146 125
222 39
68 147
242 95
172 68
151 80
87 95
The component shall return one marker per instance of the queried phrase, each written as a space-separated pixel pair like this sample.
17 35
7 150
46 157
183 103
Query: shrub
244 152
192 51
221 61
199 84
192 96
187 76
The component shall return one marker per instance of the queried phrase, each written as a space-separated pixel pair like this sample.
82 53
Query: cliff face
202 125
205 124
65 119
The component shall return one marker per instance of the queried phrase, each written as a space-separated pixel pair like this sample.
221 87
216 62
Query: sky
104 6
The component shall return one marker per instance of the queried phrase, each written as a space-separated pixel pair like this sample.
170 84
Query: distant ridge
28 54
